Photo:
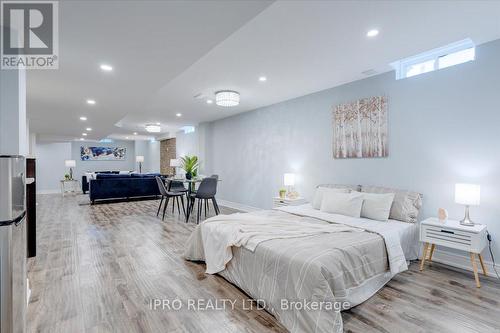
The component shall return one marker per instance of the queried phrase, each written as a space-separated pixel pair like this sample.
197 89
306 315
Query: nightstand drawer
446 236
279 202
453 238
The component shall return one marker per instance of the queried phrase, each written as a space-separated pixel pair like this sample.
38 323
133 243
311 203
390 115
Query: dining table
191 185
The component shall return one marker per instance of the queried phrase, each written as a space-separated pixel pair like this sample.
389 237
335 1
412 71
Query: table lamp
468 195
70 164
139 159
289 181
175 163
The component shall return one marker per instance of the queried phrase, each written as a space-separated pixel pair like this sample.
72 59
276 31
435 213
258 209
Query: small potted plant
190 165
282 193
66 176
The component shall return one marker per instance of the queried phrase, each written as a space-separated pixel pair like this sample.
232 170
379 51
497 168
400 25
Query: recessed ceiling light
126 137
178 114
209 101
81 139
84 134
91 101
106 68
88 129
262 79
83 118
153 128
372 33
135 133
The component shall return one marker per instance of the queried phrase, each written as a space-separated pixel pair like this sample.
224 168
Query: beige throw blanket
221 232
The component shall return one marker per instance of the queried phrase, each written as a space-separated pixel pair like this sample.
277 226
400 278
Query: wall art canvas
360 128
103 153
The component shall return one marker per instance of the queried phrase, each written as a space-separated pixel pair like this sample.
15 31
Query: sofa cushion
406 204
110 175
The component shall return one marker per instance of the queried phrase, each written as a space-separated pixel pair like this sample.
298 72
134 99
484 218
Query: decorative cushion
405 206
352 188
377 206
320 191
348 204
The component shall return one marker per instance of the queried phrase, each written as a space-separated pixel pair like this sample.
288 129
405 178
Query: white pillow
377 206
348 204
320 191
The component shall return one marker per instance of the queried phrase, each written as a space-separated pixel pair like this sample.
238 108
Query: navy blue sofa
113 186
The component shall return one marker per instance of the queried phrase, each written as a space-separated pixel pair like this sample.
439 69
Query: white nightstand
456 236
278 202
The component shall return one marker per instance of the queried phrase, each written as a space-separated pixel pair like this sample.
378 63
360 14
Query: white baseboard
236 205
48 191
461 261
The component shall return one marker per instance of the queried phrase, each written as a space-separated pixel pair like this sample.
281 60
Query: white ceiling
164 53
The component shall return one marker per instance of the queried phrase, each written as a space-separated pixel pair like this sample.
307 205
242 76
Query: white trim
238 206
48 191
461 261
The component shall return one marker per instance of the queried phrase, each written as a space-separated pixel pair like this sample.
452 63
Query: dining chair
206 191
207 207
177 186
167 194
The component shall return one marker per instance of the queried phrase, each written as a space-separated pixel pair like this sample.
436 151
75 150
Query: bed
314 266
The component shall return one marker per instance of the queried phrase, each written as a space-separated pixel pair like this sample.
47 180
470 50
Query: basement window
188 129
446 56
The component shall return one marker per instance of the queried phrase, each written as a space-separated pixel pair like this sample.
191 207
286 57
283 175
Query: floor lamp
139 159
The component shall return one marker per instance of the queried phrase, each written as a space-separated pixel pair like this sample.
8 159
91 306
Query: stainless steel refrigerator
13 300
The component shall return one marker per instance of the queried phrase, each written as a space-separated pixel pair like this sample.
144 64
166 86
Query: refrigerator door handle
15 221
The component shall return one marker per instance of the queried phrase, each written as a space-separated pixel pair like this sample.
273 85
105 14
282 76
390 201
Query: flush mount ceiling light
84 134
372 33
83 118
135 133
88 129
262 79
178 114
81 139
153 128
106 68
209 101
227 98
91 101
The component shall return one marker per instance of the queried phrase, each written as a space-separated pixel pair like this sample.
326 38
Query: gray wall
151 152
50 167
84 166
443 129
51 156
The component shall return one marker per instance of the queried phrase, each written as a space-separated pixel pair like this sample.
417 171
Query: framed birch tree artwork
360 128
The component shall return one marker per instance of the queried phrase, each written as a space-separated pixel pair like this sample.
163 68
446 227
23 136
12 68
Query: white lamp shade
175 162
139 158
70 163
467 194
289 179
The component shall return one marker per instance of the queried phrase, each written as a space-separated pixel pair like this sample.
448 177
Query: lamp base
466 220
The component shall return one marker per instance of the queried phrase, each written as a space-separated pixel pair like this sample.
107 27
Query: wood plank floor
98 268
